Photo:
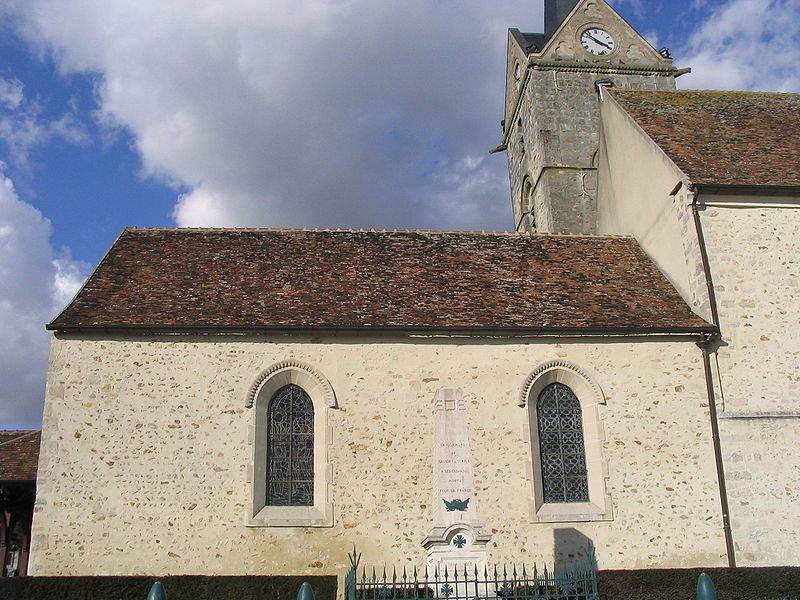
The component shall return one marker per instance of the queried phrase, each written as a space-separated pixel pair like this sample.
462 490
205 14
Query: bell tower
552 112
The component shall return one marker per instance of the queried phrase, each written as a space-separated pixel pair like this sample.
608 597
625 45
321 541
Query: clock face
597 41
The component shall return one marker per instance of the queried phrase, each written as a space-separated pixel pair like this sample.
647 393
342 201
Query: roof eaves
747 190
477 331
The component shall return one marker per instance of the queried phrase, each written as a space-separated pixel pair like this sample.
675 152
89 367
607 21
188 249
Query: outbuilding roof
723 138
19 455
287 279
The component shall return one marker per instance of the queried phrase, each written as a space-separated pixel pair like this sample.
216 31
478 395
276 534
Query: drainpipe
710 344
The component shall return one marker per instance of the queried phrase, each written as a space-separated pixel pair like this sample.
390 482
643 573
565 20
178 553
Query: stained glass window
290 448
561 447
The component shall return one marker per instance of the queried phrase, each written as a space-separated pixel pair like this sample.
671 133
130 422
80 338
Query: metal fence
576 582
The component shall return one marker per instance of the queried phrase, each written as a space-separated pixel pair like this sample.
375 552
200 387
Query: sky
278 113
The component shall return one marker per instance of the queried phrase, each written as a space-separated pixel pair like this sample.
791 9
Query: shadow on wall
571 548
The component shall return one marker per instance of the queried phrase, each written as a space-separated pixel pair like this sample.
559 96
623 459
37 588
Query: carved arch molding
300 373
561 365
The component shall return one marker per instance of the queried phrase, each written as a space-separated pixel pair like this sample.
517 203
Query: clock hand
591 37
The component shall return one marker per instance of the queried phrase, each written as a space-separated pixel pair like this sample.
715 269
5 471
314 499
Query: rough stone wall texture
553 141
145 453
514 56
753 255
762 474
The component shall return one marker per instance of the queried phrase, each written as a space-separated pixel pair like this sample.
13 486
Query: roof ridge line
614 90
365 230
24 435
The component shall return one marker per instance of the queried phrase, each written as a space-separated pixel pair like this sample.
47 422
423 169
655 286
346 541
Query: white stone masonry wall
754 255
145 453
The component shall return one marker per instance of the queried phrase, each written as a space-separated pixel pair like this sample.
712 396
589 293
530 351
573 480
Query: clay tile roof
266 278
19 455
723 138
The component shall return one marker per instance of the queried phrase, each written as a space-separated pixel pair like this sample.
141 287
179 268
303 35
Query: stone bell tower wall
553 143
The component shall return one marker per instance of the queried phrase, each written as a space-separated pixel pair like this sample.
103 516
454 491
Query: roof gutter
747 190
708 346
693 332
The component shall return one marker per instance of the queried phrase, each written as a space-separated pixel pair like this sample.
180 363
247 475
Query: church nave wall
147 454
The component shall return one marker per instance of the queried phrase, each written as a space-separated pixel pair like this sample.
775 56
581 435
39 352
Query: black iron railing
576 582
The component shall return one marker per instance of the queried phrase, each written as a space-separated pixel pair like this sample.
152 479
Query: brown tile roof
268 278
19 455
723 138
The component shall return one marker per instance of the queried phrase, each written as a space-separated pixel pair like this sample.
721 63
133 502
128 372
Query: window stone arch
595 505
292 371
316 512
527 208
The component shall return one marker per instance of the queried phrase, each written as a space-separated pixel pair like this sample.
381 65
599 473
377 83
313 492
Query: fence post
305 593
705 588
157 592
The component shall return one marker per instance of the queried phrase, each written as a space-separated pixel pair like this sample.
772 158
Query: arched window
289 473
290 448
568 473
526 207
561 447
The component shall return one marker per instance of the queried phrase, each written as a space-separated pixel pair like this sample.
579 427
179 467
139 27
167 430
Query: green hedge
746 583
178 587
766 583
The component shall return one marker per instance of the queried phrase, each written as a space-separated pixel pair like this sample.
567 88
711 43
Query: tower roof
376 280
723 138
555 11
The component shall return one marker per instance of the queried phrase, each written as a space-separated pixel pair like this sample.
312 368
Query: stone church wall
753 247
554 141
754 253
145 453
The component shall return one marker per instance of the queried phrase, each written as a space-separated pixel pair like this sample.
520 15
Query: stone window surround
262 390
526 207
589 394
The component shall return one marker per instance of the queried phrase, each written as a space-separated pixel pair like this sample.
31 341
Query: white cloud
747 45
304 112
10 92
34 284
23 125
636 5
307 113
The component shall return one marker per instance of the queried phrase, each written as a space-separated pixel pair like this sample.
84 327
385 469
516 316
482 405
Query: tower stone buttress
552 111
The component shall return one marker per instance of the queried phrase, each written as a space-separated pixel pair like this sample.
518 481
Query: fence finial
355 558
157 592
305 593
705 588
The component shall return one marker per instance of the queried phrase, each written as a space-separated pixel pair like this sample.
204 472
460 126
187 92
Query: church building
619 374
